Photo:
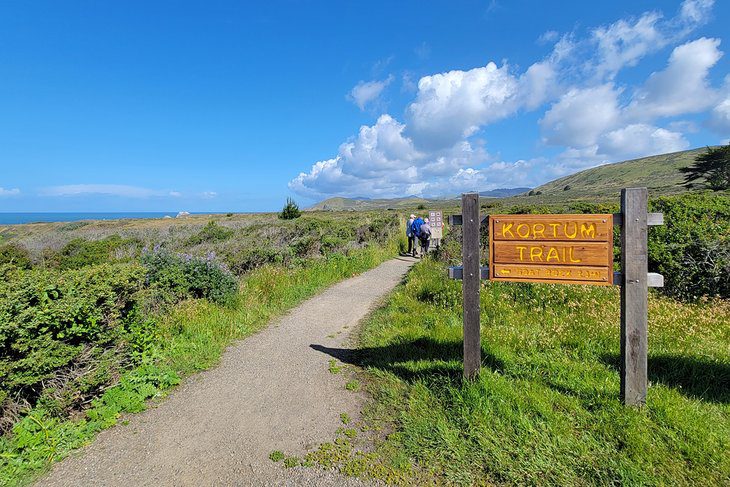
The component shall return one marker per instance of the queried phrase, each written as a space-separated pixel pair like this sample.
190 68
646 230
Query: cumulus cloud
683 86
580 116
366 93
637 140
9 192
451 106
439 148
107 189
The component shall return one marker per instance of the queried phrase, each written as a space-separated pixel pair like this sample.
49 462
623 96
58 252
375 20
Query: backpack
416 226
424 233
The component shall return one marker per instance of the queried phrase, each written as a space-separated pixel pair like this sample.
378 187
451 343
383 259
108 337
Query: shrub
212 232
692 248
79 253
177 277
53 321
242 260
15 255
290 210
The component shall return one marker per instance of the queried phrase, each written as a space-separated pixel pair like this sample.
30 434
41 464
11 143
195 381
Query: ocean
17 218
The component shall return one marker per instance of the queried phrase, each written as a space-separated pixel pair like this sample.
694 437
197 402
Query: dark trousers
425 244
411 245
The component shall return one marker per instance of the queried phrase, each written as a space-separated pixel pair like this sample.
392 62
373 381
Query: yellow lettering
572 258
527 230
552 255
575 230
507 228
588 230
555 229
535 252
538 229
522 252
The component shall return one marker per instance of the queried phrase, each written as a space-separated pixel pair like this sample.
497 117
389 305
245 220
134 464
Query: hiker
411 236
424 236
415 231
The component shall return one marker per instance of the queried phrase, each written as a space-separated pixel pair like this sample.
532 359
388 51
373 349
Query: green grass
276 456
545 409
193 337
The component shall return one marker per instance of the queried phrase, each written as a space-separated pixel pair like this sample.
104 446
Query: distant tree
290 210
421 206
713 165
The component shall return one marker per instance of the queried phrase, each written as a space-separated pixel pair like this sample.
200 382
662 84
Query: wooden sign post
470 285
565 249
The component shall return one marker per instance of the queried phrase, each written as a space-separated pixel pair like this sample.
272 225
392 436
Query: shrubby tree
713 165
290 210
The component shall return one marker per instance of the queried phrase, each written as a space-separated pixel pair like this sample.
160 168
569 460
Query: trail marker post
565 249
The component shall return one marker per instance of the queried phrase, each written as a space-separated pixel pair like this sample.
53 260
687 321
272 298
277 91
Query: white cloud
9 192
106 189
209 194
720 115
638 140
383 161
366 93
624 43
682 87
588 114
451 106
581 116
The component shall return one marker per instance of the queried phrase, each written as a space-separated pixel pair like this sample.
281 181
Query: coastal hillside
660 173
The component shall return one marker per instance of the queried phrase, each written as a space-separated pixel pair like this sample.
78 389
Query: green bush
692 248
242 260
212 232
15 255
79 253
179 276
53 320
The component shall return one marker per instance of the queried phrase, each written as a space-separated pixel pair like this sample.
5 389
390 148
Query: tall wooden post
471 284
634 296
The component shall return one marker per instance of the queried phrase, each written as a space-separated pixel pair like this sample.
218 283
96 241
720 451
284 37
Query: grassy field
545 409
96 367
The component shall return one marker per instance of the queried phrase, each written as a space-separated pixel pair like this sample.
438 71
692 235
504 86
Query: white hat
413 216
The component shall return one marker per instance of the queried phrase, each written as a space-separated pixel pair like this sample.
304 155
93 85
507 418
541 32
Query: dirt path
271 391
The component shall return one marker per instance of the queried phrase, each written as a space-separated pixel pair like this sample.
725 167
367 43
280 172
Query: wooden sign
565 249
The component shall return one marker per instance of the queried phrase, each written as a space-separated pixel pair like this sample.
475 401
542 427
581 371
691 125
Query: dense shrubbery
211 232
58 332
692 248
15 255
79 252
172 277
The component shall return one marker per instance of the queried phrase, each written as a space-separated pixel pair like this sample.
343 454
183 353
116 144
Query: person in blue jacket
416 231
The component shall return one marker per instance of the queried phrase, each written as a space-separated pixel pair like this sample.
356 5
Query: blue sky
218 106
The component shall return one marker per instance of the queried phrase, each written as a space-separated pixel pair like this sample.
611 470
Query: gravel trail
271 391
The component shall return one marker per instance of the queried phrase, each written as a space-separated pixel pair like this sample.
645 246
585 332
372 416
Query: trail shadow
434 360
694 377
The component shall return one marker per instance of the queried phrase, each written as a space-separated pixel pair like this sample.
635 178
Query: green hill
660 173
